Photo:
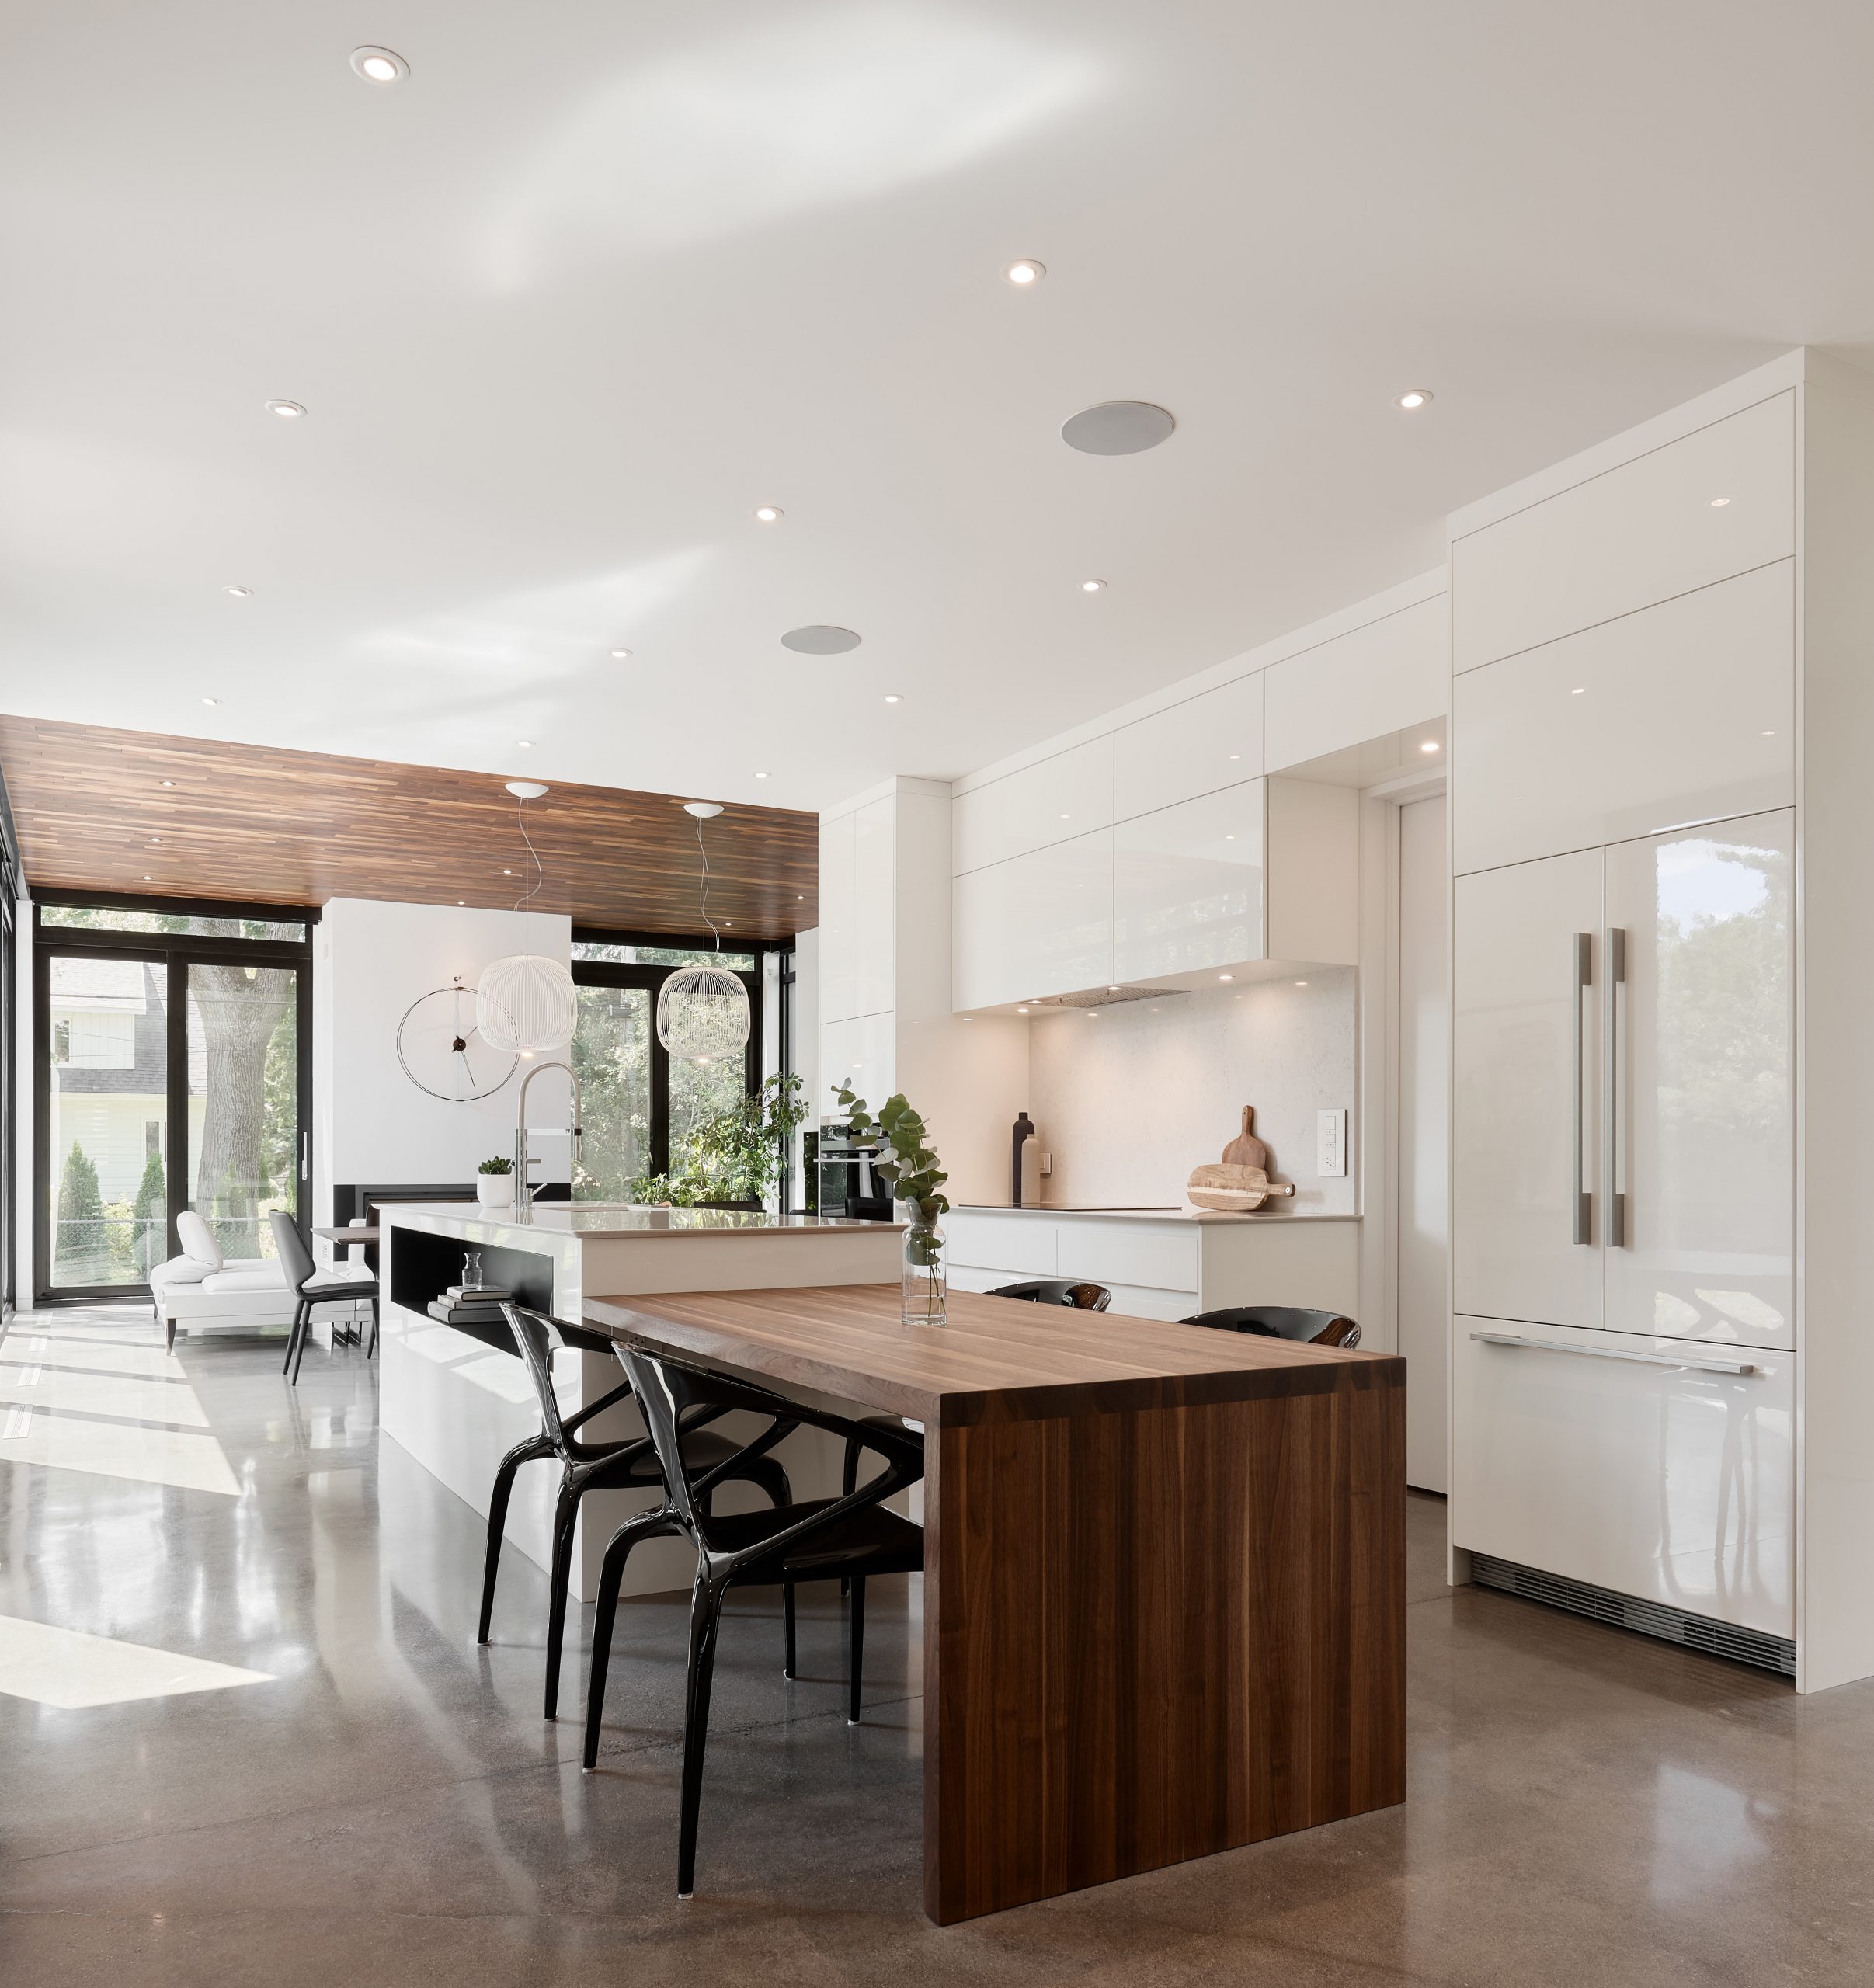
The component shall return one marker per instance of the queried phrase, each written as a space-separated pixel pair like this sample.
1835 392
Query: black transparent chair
586 1466
1291 1322
1058 1291
311 1286
851 1537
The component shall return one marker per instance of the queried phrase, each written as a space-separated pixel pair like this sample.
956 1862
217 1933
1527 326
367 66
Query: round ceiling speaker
1118 428
820 640
526 1003
703 1015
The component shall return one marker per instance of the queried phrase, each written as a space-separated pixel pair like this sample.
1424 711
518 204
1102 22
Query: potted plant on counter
906 1163
494 1182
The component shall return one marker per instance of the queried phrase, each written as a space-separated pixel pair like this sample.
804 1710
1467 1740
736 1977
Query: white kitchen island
1168 1262
457 1400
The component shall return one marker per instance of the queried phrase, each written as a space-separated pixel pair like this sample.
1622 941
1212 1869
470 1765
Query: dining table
1164 1598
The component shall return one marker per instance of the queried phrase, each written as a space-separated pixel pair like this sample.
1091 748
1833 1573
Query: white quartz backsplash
1130 1100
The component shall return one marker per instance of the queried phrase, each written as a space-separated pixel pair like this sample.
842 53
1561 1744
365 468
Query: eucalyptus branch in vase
907 1165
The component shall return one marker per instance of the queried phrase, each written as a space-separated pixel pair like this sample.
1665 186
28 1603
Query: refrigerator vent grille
1650 1618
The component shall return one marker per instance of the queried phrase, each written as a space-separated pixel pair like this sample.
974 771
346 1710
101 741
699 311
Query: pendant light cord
540 875
703 889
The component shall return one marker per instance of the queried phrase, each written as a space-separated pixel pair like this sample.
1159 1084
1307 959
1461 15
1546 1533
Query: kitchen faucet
523 1187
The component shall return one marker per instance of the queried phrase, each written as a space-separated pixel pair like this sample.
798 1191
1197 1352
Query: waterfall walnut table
1164 1599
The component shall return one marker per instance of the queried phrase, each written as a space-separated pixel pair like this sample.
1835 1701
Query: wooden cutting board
1234 1189
1247 1150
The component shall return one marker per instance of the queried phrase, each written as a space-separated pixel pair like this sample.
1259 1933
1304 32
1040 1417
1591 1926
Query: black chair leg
522 1453
787 1616
305 1332
849 1480
611 1578
370 1349
855 1650
299 1312
705 1617
565 1519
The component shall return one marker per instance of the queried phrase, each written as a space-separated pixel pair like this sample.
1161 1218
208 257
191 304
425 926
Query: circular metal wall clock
442 1052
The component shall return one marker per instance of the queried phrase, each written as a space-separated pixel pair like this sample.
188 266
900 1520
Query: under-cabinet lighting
1719 503
1428 745
1226 976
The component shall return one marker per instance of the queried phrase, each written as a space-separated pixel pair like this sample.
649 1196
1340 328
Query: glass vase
926 1279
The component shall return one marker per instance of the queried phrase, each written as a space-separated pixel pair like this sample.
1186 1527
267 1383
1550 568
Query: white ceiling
598 279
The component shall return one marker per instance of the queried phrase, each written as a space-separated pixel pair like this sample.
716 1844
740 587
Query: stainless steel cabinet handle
1615 1353
1616 1193
1583 978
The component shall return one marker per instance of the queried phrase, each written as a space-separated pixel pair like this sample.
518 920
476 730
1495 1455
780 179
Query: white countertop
1147 1214
560 1220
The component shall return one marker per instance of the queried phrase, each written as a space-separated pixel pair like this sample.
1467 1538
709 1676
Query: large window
638 1106
172 1050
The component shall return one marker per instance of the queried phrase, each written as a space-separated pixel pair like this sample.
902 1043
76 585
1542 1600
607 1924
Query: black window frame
176 951
12 893
618 973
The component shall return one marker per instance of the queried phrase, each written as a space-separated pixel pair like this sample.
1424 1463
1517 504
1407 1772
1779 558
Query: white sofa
201 1291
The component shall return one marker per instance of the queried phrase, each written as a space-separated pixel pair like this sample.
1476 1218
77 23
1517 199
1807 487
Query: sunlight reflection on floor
70 1670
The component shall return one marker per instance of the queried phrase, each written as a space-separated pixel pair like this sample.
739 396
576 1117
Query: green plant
80 1251
498 1163
905 1162
734 1155
149 1212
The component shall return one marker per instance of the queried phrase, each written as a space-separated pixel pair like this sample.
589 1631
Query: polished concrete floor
246 1737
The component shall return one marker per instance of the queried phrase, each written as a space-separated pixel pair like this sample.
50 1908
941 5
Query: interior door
1424 1140
1700 1134
1526 1090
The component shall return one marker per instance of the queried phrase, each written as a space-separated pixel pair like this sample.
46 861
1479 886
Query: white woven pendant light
526 1002
703 1011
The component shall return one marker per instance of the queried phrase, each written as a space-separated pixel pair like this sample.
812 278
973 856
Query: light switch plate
1047 1165
1330 1145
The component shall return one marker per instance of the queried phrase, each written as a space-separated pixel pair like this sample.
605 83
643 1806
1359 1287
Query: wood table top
998 1359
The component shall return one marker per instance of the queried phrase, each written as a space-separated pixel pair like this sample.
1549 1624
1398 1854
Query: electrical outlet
1330 1145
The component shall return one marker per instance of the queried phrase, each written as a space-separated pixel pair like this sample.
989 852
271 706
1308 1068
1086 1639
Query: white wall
1129 1103
371 961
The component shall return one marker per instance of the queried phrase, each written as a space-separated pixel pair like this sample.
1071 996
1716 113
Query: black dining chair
853 1538
311 1286
1290 1321
1058 1291
631 1465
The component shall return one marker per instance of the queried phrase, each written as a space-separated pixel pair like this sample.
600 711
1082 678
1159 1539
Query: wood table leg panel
1160 1633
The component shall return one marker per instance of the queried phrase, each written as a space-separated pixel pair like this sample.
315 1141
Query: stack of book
470 1304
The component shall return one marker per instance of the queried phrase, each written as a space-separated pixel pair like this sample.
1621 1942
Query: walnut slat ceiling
267 826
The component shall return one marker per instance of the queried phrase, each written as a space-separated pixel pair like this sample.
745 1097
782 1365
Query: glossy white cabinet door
838 938
1670 1482
1187 886
860 1051
1518 1069
1702 1132
1039 924
1683 713
1635 535
1378 678
1052 801
874 904
1207 742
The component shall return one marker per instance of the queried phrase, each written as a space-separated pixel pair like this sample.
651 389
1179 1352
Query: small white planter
494 1191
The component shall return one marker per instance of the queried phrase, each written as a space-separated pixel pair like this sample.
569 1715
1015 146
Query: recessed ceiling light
239 593
379 65
1719 503
1769 735
287 410
1301 983
819 638
1580 690
1065 818
761 775
1414 398
893 698
461 900
801 898
526 745
1021 1011
1112 990
1025 272
155 842
211 701
1235 756
769 514
147 878
1118 428
1226 976
1428 745
1093 586
168 783
507 873
1093 1014
1230 838
621 656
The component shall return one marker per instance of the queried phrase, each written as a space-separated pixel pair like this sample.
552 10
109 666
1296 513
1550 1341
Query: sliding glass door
172 1066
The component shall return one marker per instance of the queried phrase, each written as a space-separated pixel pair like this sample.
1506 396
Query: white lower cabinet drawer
1011 1246
1131 1252
1574 1452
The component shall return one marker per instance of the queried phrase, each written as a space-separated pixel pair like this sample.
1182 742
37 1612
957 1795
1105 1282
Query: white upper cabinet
1682 713
1526 1091
1716 502
1376 679
1054 799
1702 1128
875 907
839 957
860 1051
1205 743
1187 886
1041 923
